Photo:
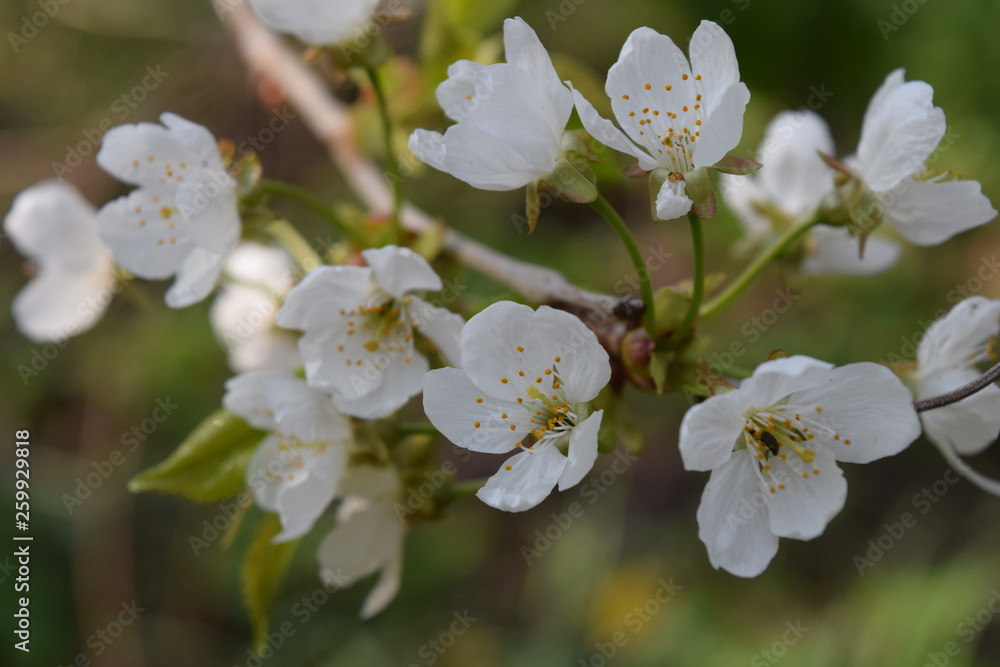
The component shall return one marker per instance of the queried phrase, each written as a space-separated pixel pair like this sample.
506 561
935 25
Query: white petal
136 229
714 59
525 479
867 406
774 380
196 278
525 51
385 589
671 202
307 491
582 451
195 138
834 251
931 213
55 305
806 504
456 93
400 270
733 520
147 155
957 340
441 325
794 177
491 357
452 403
261 264
51 223
968 426
246 397
901 128
399 380
317 302
360 545
608 134
304 413
473 156
243 321
723 127
709 431
207 204
319 22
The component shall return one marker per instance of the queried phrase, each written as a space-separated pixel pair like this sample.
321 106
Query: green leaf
263 572
209 465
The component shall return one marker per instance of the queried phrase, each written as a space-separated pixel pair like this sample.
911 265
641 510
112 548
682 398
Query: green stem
608 212
736 288
467 488
392 161
698 290
296 193
285 234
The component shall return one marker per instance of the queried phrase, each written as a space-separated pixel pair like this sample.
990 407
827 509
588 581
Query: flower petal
196 278
713 58
834 251
385 589
319 22
137 230
208 208
608 134
968 426
671 202
360 545
452 403
304 413
456 94
54 306
317 302
958 340
441 325
147 155
399 271
794 177
723 127
774 380
525 479
809 500
399 380
733 520
195 138
709 431
582 452
901 128
51 223
475 157
524 50
246 397
866 405
930 213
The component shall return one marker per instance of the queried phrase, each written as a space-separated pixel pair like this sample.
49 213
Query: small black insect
770 442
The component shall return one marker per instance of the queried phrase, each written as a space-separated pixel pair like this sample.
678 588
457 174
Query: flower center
382 324
669 120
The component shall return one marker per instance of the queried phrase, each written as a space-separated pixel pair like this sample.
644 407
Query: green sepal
263 571
209 465
572 179
736 165
698 186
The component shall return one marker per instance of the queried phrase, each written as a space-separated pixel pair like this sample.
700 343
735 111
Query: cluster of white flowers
523 380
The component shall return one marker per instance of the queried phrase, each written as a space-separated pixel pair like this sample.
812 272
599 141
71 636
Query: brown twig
966 390
269 58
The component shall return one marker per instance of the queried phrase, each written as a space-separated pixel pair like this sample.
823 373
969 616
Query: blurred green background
599 579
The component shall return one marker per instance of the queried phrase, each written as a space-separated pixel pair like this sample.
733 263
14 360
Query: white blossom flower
525 382
244 312
359 323
510 117
773 445
296 470
788 190
320 22
947 358
56 228
182 220
368 537
679 118
901 129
